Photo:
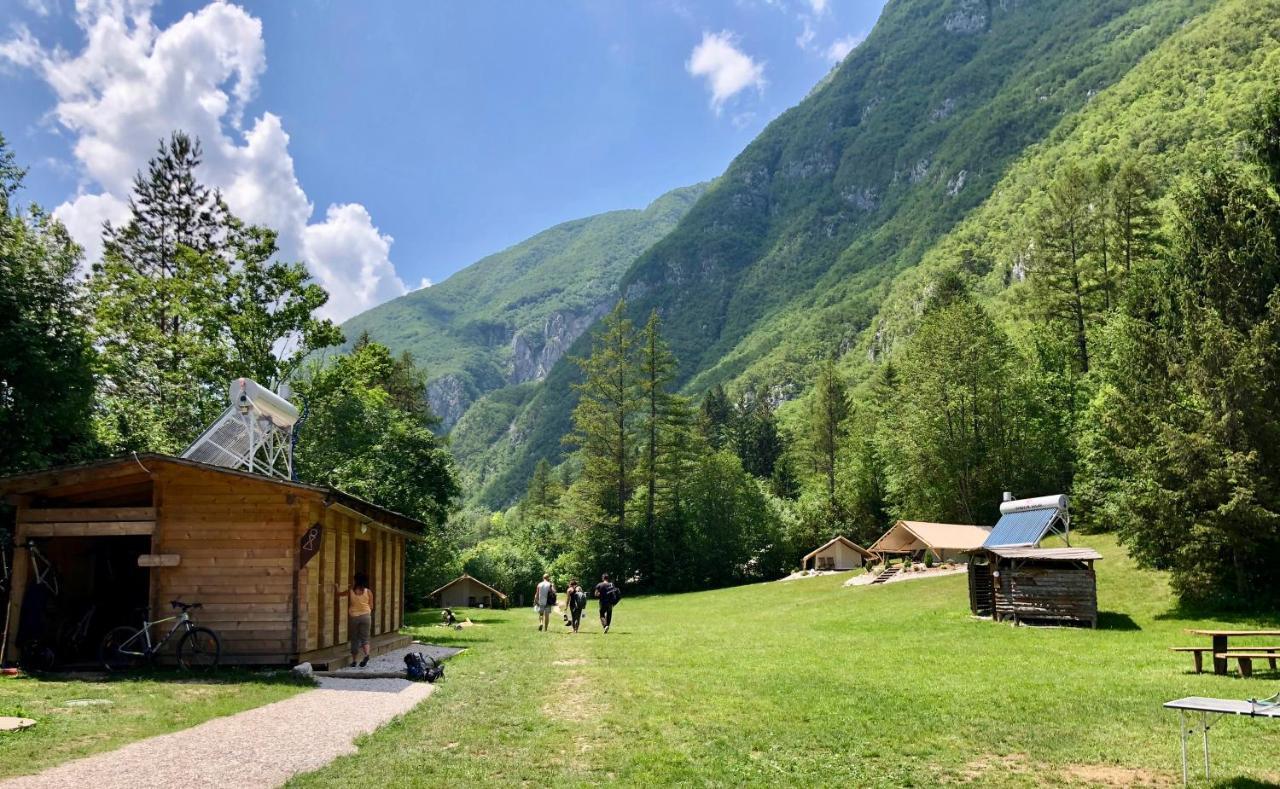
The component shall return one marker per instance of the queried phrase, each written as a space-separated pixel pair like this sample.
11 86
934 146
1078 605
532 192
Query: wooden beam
159 560
42 483
91 529
88 514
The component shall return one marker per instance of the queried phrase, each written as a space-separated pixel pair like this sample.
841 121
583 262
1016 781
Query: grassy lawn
140 707
810 682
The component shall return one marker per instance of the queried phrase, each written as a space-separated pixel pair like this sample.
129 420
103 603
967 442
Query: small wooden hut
840 553
1013 579
469 592
946 541
1035 585
264 556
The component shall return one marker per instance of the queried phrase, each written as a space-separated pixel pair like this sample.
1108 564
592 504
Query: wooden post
17 585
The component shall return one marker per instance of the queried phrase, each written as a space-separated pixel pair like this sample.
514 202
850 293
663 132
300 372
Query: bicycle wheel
199 649
120 650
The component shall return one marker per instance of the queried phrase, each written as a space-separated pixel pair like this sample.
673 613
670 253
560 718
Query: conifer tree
604 430
1063 269
664 416
1133 217
715 416
828 427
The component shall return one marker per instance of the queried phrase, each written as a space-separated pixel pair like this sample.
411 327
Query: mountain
791 255
506 319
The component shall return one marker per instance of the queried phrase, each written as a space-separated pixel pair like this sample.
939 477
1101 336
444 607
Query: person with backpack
608 595
577 598
544 602
359 617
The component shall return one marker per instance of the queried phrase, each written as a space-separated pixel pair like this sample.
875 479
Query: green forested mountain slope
789 256
507 318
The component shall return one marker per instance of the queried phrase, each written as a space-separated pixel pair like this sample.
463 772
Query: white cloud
819 6
133 83
425 283
726 69
807 34
841 47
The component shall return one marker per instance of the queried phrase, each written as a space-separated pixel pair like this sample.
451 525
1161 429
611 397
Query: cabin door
360 559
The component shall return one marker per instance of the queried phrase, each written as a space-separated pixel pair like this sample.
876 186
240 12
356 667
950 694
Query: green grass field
809 682
141 706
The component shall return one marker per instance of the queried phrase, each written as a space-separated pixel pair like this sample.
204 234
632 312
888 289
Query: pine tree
715 416
664 414
1132 215
604 431
754 435
828 428
1064 269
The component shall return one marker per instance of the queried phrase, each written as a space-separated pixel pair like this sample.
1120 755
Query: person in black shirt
605 594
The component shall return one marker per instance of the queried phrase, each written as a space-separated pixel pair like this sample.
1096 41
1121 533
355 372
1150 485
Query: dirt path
261 747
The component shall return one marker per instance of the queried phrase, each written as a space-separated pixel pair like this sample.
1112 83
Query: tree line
1140 373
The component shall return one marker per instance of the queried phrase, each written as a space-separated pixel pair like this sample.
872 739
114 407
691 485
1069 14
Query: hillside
809 682
790 255
506 319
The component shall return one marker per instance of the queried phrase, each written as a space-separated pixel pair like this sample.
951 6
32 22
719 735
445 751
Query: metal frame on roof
1026 528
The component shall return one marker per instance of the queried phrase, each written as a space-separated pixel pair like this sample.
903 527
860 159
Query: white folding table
1215 707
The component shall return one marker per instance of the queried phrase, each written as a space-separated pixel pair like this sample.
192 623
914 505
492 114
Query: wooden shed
265 557
946 541
840 553
469 592
1035 585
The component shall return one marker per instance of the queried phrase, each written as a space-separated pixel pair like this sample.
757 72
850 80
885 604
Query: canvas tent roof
465 577
833 541
914 535
1025 528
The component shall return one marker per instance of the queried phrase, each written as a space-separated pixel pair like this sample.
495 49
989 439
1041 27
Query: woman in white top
544 602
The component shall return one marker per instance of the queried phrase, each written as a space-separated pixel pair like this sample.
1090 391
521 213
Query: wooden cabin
946 541
1035 585
1013 579
264 556
840 553
468 592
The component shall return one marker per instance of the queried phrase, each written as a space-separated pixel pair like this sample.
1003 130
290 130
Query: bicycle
126 647
42 570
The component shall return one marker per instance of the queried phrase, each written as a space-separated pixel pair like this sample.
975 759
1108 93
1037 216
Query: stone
8 723
303 670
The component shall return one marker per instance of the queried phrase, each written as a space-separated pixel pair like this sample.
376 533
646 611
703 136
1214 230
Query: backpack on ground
419 667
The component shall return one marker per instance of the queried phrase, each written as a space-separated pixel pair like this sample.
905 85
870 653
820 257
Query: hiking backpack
419 667
615 594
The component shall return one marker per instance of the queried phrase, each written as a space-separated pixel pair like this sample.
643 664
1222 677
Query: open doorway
78 588
360 559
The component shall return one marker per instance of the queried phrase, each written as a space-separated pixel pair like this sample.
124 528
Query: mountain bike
126 647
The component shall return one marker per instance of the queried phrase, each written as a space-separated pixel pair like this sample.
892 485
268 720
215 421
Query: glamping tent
470 592
1012 578
840 553
263 555
946 541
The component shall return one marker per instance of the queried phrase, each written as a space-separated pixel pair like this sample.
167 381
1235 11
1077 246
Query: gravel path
261 747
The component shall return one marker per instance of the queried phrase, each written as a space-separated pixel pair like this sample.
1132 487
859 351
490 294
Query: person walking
608 595
359 617
544 602
577 599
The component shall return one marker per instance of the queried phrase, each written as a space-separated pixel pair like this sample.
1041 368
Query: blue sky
396 142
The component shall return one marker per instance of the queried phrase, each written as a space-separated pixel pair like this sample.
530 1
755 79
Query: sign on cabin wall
159 560
309 545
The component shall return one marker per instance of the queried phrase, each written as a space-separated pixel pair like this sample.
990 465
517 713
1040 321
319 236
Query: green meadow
811 682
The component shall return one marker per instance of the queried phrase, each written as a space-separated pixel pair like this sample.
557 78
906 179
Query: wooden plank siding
230 542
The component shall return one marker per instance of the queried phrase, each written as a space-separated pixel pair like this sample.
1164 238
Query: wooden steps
888 573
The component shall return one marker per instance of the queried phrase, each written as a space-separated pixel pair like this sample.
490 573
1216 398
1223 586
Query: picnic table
1220 643
1215 707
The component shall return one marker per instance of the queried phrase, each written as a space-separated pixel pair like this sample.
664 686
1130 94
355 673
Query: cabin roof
938 536
465 577
833 541
44 479
1048 554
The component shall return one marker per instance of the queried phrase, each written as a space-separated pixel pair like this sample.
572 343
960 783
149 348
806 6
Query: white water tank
1058 502
247 392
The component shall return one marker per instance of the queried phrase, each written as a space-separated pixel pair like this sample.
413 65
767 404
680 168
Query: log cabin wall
235 539
1047 591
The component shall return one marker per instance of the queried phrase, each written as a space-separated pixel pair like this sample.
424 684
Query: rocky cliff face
449 400
533 353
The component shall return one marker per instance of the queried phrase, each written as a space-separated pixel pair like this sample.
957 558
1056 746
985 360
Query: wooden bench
1197 653
1245 657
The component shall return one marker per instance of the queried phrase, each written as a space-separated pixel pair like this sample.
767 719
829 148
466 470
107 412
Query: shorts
545 609
359 628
